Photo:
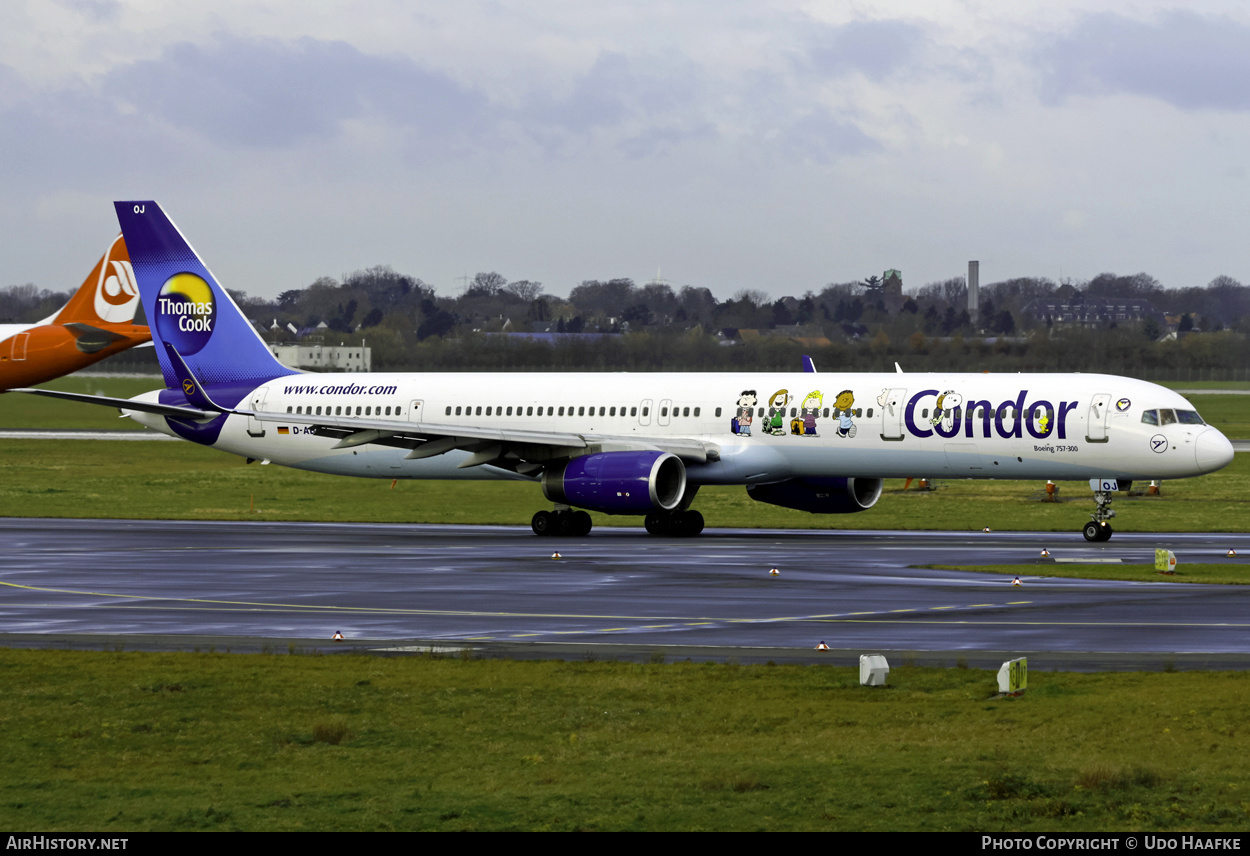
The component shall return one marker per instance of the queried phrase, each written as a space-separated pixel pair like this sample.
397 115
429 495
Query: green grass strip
1237 573
135 741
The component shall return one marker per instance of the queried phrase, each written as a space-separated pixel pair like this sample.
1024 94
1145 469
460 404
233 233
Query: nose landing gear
1098 529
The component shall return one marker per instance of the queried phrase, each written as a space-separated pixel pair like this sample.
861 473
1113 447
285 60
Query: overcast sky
732 144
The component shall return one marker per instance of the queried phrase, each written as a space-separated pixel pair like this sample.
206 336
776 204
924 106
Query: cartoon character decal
741 423
805 423
843 409
776 420
944 412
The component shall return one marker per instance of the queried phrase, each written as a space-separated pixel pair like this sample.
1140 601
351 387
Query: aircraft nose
1212 450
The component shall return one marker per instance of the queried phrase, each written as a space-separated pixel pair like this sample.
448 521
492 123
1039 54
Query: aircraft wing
518 449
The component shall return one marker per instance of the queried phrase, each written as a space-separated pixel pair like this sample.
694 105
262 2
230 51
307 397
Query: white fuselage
1023 426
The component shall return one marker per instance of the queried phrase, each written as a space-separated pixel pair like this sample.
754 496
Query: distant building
892 290
326 358
1079 310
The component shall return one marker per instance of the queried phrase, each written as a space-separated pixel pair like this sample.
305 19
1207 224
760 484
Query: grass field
105 742
101 478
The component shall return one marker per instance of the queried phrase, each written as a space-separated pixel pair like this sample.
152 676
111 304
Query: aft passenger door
256 428
414 410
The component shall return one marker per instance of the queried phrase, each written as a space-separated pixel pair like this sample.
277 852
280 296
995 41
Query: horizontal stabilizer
90 339
170 410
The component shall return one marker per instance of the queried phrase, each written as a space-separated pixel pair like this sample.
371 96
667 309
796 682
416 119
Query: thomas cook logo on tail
117 293
186 312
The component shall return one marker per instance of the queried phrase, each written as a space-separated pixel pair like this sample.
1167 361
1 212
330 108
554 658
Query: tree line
857 325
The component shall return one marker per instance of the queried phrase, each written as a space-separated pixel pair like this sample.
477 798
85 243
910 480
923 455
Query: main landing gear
562 521
675 524
1098 529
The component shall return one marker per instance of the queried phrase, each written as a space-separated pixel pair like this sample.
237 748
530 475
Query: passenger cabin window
718 412
696 411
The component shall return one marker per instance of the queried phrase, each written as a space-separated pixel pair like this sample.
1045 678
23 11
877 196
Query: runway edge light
873 670
1232 554
773 572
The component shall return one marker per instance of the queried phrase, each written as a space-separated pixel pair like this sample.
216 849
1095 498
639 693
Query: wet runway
497 589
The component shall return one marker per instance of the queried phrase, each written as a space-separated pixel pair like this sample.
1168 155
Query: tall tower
974 284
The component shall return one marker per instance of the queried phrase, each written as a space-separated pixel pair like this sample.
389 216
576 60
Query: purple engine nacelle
820 495
619 482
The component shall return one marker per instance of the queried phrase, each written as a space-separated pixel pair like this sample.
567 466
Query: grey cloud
96 10
822 137
875 49
617 89
1187 60
272 94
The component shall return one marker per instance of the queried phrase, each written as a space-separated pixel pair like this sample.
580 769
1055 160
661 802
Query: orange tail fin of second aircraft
97 322
109 294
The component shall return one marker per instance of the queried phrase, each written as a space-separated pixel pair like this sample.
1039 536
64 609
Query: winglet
898 369
808 364
190 384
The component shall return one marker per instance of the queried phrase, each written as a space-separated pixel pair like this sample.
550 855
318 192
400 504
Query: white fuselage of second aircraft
757 427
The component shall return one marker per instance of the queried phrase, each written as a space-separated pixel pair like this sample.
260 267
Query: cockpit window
1172 417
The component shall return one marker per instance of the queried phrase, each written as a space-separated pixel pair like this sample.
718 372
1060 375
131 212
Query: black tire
542 524
694 523
1105 534
564 523
1092 531
582 523
655 524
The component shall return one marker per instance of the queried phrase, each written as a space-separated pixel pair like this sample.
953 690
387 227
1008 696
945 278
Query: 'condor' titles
1009 419
186 310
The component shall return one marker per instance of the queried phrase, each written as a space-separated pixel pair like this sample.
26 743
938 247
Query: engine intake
618 482
839 495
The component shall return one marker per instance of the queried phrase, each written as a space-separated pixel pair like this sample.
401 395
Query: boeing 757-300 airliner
641 444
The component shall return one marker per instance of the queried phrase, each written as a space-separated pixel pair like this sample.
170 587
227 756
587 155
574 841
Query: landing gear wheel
543 523
564 524
1095 531
692 523
581 523
675 524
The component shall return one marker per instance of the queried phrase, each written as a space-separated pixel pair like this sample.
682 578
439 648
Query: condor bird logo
188 387
186 312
